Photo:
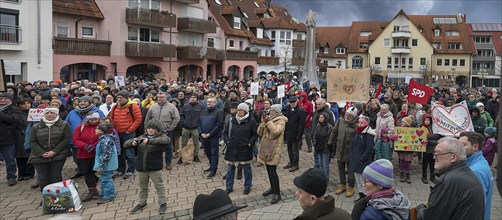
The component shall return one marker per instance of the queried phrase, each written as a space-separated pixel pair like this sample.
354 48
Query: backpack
130 110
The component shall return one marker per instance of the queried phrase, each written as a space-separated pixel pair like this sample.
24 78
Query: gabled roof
375 27
222 22
335 37
428 25
491 29
87 8
276 23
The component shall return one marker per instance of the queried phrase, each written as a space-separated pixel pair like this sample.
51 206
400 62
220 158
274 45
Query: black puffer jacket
149 156
190 114
296 123
242 139
55 138
11 121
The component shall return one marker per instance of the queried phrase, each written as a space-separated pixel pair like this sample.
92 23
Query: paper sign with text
450 121
410 139
419 93
120 80
348 85
280 91
35 114
254 88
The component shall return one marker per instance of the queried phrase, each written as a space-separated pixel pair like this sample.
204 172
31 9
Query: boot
276 199
90 195
180 161
341 188
424 178
401 177
239 172
350 192
408 179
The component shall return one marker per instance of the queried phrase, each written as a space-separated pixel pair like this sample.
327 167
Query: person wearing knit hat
106 161
361 151
123 94
352 111
382 200
490 145
406 122
271 130
311 187
484 114
405 157
244 107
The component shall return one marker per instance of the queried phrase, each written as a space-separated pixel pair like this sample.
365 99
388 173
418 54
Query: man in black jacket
294 131
458 194
11 120
189 116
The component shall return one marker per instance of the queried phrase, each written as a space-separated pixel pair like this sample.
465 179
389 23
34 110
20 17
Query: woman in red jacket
85 139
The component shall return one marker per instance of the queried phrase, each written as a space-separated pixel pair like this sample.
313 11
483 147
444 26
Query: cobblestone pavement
184 182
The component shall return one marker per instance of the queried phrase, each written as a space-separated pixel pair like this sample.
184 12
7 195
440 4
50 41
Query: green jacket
55 138
488 118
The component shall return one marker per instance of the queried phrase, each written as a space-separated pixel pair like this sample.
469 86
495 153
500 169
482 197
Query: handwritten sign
410 139
348 85
450 121
281 91
120 80
35 114
254 88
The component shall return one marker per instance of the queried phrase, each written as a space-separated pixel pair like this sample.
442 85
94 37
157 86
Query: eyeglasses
435 155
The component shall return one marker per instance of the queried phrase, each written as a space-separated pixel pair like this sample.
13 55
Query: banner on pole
280 91
450 121
410 139
419 93
254 88
348 85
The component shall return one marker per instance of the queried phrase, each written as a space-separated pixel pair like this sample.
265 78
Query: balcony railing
405 34
400 50
196 25
299 43
10 34
220 55
241 55
273 61
74 46
189 1
195 52
145 49
151 18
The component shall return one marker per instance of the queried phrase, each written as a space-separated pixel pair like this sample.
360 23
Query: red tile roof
375 27
333 36
87 8
496 35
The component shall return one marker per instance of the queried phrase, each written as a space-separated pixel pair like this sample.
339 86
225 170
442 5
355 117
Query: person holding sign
405 157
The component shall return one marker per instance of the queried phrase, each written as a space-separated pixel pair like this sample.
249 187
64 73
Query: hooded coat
395 206
342 136
273 130
384 120
361 152
478 122
241 139
321 136
307 106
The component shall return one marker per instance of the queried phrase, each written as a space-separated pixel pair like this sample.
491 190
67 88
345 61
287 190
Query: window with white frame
423 61
486 53
62 29
451 33
143 35
446 62
285 38
462 62
439 62
237 23
357 62
259 33
454 62
436 45
414 42
87 31
210 42
410 63
231 44
377 60
454 46
326 50
437 32
144 4
389 63
483 39
299 36
386 42
340 50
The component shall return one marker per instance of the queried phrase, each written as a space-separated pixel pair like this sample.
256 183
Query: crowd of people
116 131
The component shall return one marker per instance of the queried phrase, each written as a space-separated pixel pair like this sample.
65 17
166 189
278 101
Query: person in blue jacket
473 142
106 161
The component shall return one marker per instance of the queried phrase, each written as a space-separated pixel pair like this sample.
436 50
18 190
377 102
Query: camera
264 113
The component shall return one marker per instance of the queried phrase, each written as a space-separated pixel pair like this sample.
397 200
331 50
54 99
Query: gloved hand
89 148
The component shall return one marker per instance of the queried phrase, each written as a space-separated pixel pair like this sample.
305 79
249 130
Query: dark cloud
343 12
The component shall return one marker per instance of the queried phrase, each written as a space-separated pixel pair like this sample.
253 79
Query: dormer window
237 23
326 50
340 50
259 33
437 32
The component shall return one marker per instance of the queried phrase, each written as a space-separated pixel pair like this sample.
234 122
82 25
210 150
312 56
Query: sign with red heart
35 114
348 85
410 139
450 121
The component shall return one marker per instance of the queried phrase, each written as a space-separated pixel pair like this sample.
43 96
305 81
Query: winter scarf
85 109
50 123
3 107
392 202
240 119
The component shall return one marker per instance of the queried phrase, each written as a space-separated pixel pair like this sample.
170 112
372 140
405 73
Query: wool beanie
244 107
53 110
94 115
312 181
105 127
491 131
6 95
86 98
352 111
407 121
277 108
123 93
56 101
380 172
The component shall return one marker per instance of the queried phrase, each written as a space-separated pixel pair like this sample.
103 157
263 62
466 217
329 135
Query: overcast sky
343 12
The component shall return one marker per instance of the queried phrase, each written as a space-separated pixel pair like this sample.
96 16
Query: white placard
450 121
35 114
120 80
280 91
407 79
12 67
254 88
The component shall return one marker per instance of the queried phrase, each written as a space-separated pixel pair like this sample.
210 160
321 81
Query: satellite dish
203 52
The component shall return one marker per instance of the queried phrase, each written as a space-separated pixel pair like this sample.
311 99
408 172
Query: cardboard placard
348 85
119 80
281 91
254 88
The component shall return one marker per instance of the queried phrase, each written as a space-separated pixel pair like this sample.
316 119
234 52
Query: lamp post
453 75
483 72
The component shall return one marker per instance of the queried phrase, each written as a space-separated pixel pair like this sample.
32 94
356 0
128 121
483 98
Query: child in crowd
106 161
383 148
432 141
149 162
490 145
405 157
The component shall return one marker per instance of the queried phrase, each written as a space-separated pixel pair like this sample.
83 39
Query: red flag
419 93
378 91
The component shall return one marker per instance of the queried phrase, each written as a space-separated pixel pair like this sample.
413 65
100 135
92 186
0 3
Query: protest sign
419 93
120 80
348 85
450 121
254 88
35 114
410 139
280 91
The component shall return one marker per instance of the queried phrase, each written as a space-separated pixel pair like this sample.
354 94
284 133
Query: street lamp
453 75
483 71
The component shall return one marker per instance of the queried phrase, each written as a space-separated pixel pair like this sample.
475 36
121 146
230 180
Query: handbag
267 149
187 153
60 197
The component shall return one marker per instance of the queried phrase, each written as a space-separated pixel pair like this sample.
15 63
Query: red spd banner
419 93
